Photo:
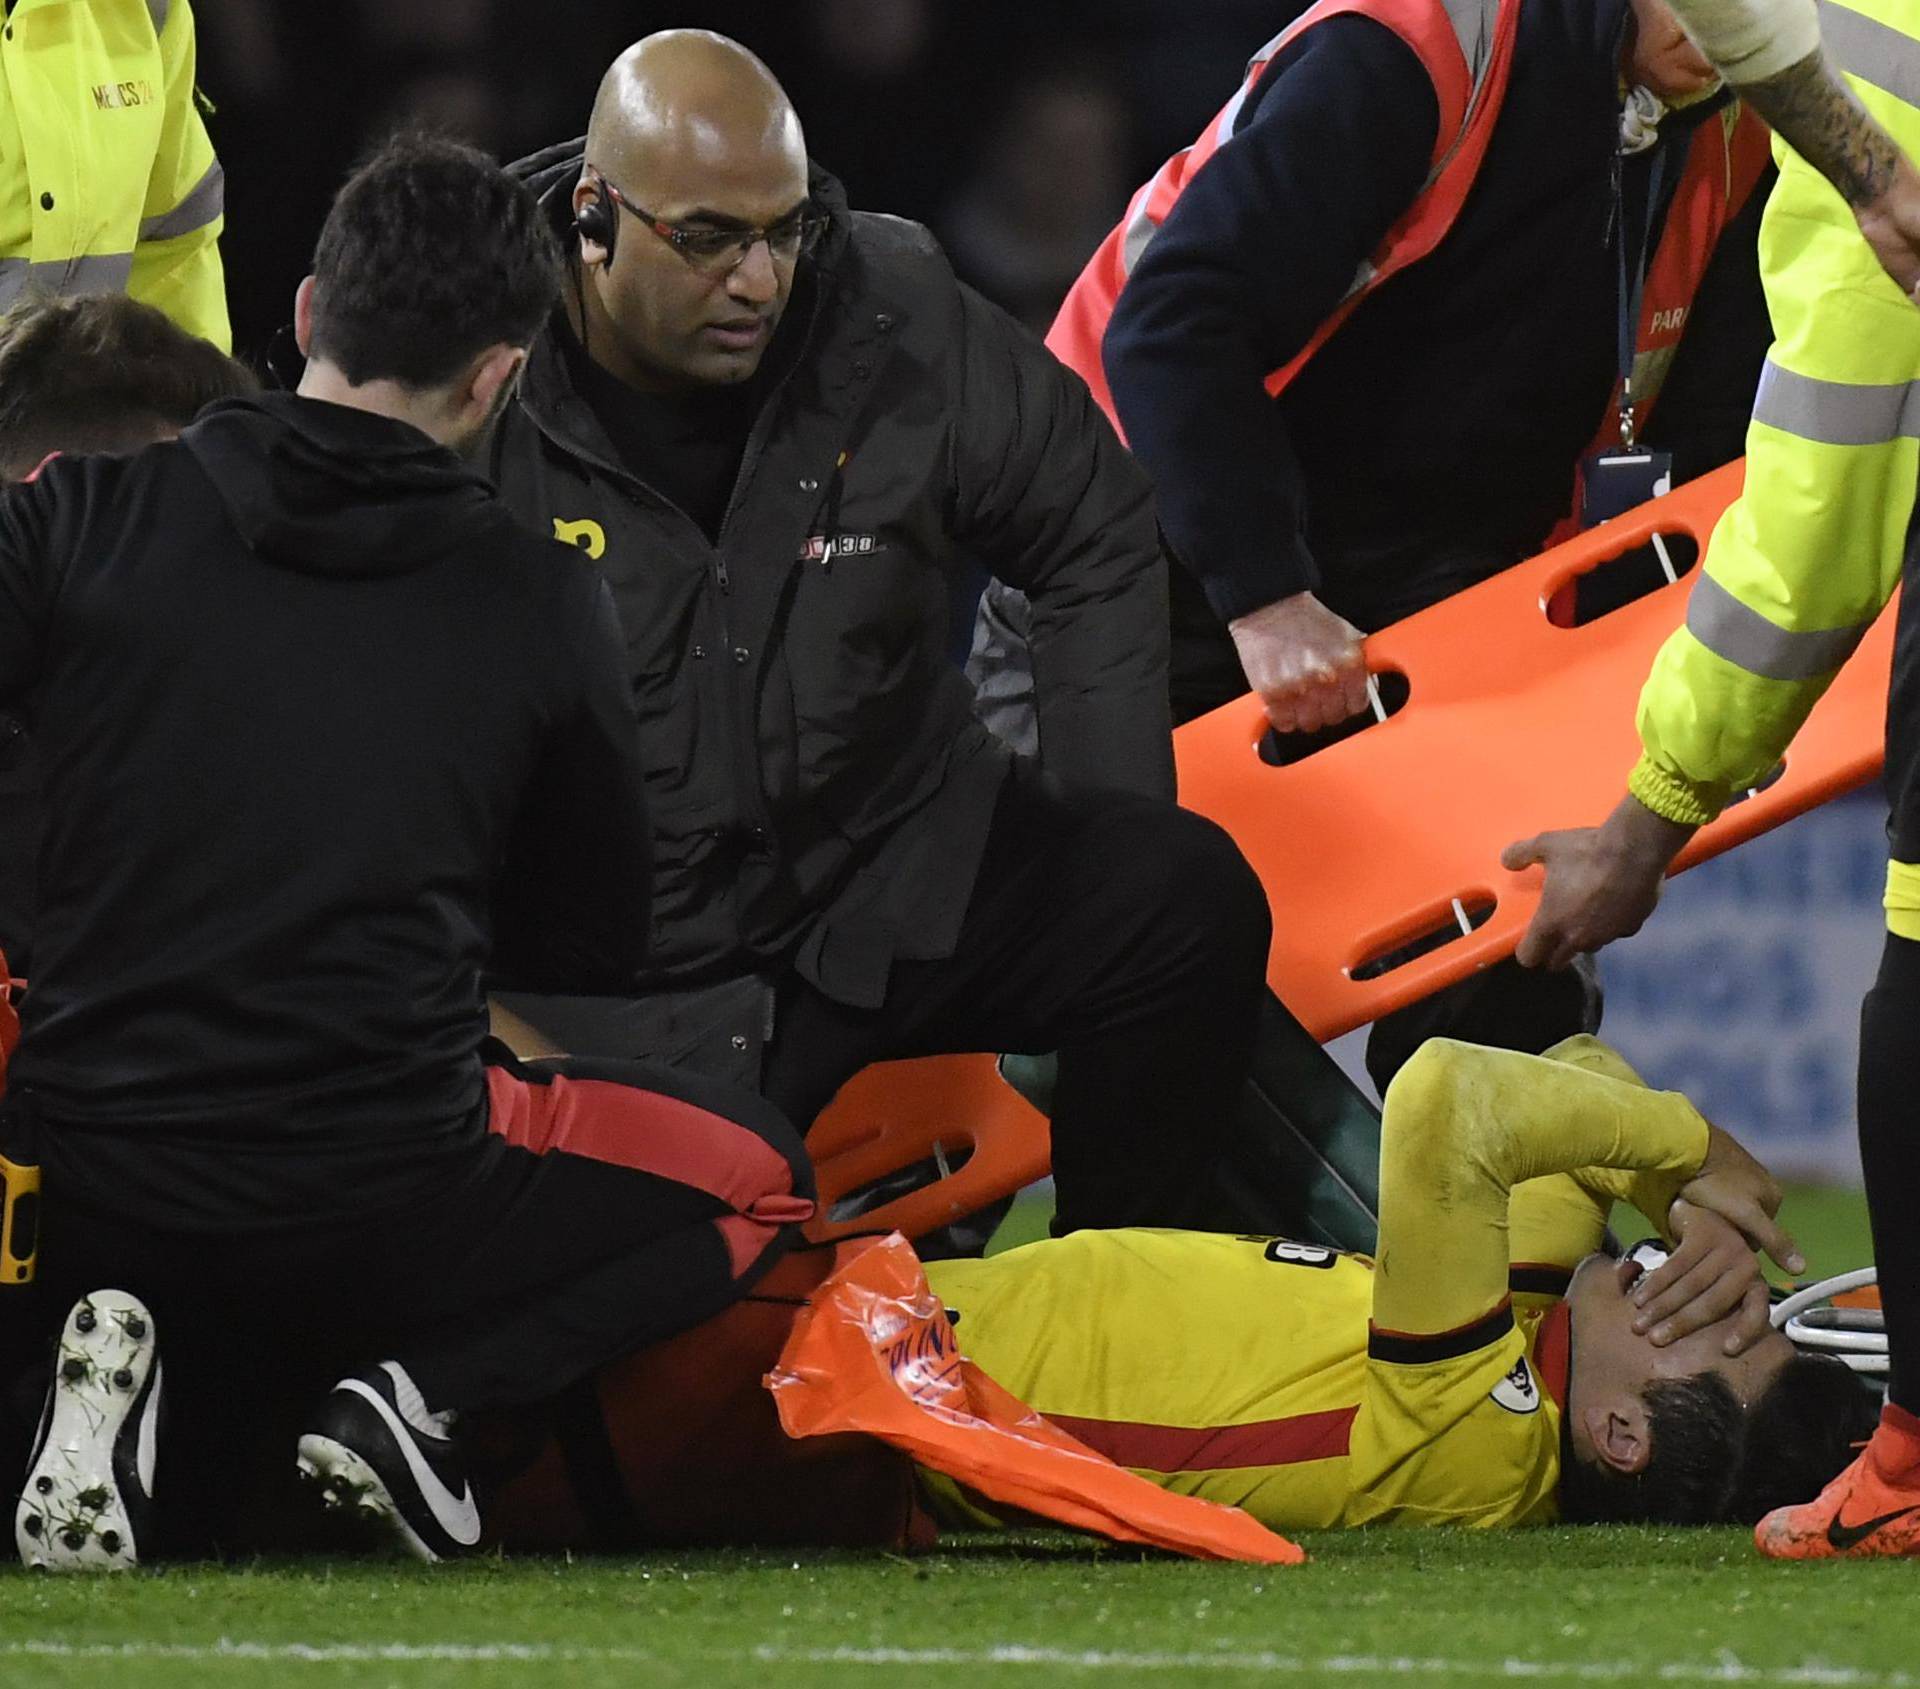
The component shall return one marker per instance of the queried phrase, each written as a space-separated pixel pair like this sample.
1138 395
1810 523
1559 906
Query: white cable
1809 1332
1857 1337
1825 1290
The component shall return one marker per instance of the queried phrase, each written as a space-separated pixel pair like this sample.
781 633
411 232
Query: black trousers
1890 1154
598 1207
1127 934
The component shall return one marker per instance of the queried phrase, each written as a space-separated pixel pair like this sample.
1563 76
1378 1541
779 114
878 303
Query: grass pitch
1575 1606
1561 1606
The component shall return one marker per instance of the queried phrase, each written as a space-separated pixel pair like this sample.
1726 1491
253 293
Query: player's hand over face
1601 883
1306 663
1736 1187
1710 1274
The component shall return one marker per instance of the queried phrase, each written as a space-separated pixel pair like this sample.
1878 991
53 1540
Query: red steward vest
1468 52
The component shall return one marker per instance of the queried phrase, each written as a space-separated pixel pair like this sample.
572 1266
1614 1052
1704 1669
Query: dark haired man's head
433 272
102 373
692 130
1687 1434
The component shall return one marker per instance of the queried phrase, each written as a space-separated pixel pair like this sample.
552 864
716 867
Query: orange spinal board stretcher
1389 841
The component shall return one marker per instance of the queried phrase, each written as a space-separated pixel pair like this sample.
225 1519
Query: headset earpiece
596 222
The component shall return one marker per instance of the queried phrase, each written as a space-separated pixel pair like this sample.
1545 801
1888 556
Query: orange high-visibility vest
1468 53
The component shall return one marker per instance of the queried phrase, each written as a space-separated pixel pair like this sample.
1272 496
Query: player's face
1611 1361
681 324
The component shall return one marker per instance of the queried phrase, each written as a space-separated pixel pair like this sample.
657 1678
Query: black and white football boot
87 1505
374 1447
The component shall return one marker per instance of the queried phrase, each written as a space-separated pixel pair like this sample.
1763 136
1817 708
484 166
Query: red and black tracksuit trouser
591 1208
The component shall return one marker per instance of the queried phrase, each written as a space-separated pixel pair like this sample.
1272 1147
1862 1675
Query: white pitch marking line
1726 1669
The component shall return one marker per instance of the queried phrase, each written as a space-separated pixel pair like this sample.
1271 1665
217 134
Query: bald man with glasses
783 429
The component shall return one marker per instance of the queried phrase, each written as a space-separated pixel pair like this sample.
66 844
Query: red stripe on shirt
651 1133
1214 1448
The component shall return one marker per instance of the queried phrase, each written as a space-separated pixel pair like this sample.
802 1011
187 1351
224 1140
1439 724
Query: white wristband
1750 40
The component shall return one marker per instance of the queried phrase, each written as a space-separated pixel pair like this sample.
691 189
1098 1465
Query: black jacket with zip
819 789
322 729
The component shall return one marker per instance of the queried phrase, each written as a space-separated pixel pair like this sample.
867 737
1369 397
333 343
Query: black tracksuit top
321 729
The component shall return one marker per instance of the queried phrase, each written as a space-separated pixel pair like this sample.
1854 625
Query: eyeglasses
719 252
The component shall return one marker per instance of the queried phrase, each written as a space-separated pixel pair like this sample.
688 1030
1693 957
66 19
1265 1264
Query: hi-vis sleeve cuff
1903 900
1751 40
1672 797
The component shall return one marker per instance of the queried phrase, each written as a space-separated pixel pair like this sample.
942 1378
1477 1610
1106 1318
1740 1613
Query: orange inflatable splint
1390 840
874 1352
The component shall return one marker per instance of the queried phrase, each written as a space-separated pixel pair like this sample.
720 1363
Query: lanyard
1633 283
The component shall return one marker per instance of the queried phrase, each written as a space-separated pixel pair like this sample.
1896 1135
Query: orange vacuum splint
1508 708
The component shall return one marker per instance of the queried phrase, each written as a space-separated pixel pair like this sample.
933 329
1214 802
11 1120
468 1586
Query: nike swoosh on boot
1842 1537
458 1516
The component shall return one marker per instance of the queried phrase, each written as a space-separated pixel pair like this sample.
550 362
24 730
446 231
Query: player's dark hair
102 373
1712 1464
431 254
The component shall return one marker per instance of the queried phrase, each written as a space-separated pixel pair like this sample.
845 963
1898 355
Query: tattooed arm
1769 51
1811 107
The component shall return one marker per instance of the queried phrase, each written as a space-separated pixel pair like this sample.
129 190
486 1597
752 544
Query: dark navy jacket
1432 440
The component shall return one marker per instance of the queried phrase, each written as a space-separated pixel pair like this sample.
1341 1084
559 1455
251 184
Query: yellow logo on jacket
112 96
590 537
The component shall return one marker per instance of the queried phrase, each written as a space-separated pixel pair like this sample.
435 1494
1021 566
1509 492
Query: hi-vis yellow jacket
108 182
1802 564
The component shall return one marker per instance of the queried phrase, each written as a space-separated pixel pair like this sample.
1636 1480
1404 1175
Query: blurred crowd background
1015 128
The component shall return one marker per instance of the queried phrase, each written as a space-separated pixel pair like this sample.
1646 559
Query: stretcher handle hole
1618 581
1464 915
1766 780
946 1160
1387 691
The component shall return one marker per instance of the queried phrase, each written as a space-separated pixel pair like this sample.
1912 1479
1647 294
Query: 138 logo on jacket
824 548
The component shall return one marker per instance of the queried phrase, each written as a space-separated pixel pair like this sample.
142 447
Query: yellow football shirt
1318 1389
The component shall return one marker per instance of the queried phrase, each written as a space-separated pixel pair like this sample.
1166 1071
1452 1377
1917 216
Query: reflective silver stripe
157 10
205 200
1141 227
1473 23
1837 413
1882 56
1743 636
108 273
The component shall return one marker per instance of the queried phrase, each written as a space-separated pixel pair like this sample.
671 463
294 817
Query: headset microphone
595 221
